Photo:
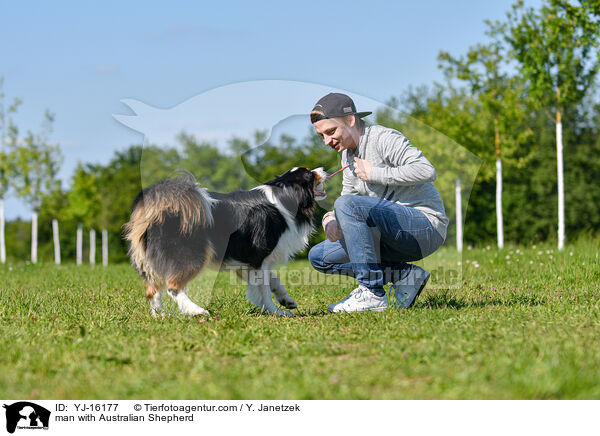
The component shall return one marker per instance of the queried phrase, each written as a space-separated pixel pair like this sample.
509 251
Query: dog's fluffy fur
177 228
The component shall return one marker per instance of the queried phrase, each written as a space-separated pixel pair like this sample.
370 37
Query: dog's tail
177 202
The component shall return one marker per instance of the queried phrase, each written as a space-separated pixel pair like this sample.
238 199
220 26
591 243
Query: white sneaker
360 299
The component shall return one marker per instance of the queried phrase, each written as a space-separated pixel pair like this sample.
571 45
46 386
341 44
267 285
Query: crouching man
389 212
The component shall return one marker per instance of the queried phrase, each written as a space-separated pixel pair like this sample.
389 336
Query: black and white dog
177 228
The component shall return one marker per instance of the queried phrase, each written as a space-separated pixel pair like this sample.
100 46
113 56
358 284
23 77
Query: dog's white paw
194 309
156 306
187 306
158 314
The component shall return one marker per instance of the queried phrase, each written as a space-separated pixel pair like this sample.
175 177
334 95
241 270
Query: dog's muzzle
321 177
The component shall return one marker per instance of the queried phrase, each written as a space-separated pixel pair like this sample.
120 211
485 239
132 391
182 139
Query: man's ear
350 120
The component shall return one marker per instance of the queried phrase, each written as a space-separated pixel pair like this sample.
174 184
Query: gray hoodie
400 174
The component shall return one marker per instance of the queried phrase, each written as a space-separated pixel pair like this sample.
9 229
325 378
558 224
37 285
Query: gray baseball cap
334 105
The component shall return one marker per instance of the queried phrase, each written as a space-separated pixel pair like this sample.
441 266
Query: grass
520 323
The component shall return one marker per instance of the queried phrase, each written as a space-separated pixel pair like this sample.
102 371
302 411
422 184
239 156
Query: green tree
122 175
84 197
100 198
8 144
557 51
215 169
38 163
502 107
156 163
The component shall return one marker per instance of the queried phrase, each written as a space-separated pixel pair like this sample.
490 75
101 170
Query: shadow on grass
439 300
312 313
445 299
110 359
297 313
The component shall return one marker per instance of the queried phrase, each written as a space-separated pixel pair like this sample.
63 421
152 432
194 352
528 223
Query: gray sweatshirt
400 174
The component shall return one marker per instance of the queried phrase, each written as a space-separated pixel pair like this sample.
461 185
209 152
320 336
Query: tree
8 143
503 107
84 197
38 163
557 50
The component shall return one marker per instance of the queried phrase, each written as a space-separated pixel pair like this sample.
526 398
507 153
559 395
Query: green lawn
515 324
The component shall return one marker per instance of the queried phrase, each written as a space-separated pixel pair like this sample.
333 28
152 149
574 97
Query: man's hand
362 168
332 230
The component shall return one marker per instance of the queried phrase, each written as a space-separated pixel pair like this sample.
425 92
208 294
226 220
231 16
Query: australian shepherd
177 228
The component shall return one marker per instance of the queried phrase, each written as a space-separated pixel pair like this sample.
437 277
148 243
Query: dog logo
26 415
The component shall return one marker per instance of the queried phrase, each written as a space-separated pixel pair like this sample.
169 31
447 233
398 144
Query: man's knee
344 203
350 207
315 256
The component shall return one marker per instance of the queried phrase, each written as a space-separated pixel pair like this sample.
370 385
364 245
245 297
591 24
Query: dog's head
312 180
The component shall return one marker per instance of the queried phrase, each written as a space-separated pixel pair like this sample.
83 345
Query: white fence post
499 215
79 249
459 221
56 242
561 186
2 240
104 247
34 219
92 247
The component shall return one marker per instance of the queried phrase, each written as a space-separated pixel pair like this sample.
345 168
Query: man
389 212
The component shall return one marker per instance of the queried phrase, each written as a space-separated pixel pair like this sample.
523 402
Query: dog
177 228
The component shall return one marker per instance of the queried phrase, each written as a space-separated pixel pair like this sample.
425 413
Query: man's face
338 133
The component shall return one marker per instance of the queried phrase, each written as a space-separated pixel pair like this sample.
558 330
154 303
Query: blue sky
80 59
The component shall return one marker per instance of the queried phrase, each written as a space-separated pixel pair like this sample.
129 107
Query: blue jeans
379 237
